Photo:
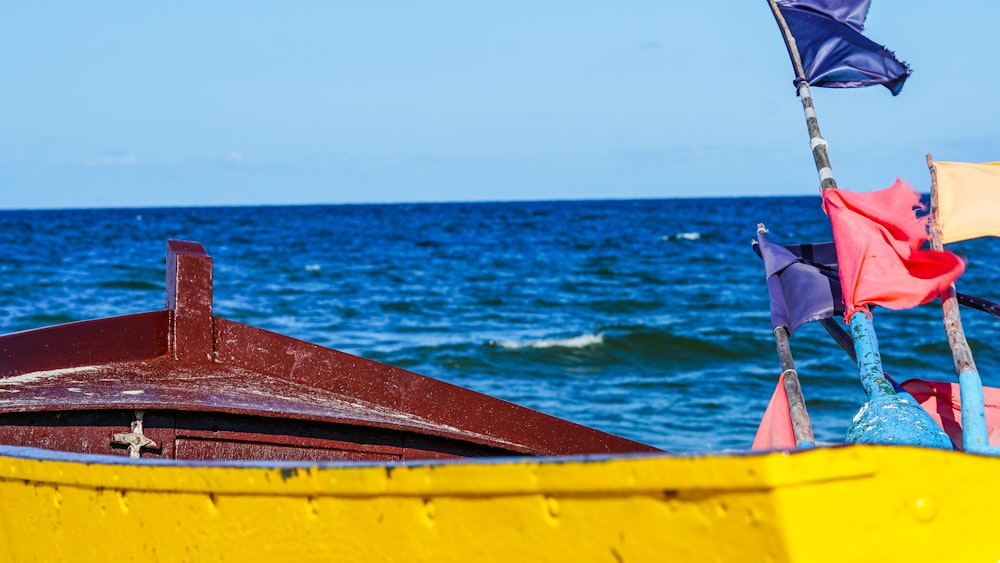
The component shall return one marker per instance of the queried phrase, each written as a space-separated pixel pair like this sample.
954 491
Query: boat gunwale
187 341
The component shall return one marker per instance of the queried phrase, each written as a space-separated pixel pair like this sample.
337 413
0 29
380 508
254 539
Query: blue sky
239 103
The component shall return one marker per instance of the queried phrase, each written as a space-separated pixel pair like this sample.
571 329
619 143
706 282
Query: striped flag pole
888 416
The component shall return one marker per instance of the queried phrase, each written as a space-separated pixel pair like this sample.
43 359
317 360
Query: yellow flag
968 200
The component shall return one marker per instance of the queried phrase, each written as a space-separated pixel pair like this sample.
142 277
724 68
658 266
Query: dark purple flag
834 52
802 282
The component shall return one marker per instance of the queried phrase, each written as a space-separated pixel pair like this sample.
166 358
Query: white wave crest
573 342
694 235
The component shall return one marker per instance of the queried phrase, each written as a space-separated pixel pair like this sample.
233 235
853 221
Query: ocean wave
581 341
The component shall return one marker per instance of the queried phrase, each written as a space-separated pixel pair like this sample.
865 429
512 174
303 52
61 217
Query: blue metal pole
889 417
975 436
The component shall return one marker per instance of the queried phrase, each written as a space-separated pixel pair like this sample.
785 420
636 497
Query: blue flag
802 282
832 48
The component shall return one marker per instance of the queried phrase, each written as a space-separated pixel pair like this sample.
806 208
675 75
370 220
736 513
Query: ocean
644 318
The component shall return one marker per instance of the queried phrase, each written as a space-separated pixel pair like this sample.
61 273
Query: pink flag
775 430
878 237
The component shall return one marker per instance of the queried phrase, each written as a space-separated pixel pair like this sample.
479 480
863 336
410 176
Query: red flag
878 237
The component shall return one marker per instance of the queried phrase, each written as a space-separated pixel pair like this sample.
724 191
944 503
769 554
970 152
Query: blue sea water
645 318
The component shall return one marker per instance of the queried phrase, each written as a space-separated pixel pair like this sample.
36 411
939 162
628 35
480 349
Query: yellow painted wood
857 503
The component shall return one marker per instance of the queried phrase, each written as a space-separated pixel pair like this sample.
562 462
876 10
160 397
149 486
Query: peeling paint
38 375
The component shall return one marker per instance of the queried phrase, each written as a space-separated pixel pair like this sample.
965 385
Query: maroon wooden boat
181 383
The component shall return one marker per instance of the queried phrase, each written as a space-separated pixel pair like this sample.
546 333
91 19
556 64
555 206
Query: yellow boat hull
857 503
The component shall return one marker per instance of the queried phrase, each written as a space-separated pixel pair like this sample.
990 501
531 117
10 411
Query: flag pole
816 140
889 416
801 426
975 437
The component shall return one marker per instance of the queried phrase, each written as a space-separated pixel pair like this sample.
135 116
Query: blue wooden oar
890 416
